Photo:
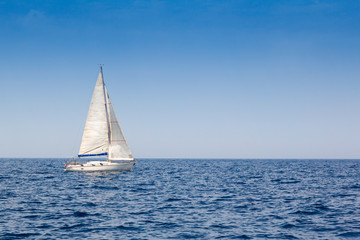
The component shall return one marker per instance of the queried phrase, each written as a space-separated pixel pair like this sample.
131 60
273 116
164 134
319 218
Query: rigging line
106 106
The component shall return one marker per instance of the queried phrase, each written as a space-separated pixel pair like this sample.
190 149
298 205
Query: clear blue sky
233 79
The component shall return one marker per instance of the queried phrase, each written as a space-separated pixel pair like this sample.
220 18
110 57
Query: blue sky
232 79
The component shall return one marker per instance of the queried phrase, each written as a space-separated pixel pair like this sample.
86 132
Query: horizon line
195 158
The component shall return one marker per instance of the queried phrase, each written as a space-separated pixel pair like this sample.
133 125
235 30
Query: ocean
182 199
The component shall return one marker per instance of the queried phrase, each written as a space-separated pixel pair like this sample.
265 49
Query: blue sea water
182 199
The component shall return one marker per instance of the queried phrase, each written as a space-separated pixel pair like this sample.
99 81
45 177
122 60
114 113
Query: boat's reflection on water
105 174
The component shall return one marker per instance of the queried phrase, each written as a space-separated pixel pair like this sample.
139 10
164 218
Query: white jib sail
95 137
118 149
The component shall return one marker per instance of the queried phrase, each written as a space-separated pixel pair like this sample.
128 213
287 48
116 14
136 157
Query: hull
93 166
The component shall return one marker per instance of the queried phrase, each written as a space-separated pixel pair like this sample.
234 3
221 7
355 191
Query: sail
95 137
118 149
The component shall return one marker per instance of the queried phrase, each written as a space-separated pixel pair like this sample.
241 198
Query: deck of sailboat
104 165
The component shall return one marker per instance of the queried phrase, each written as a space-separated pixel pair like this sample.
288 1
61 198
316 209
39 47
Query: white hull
100 166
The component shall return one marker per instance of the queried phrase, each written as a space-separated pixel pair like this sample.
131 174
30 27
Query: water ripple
182 199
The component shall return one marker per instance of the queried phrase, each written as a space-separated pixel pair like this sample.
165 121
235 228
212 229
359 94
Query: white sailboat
102 136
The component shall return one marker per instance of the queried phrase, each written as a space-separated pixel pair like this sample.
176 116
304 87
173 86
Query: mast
106 107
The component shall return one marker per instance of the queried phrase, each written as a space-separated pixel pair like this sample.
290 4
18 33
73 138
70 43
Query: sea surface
182 199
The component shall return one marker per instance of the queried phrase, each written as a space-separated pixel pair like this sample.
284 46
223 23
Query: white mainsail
118 148
95 138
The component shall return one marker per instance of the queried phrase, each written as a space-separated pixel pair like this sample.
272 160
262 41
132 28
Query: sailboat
102 136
